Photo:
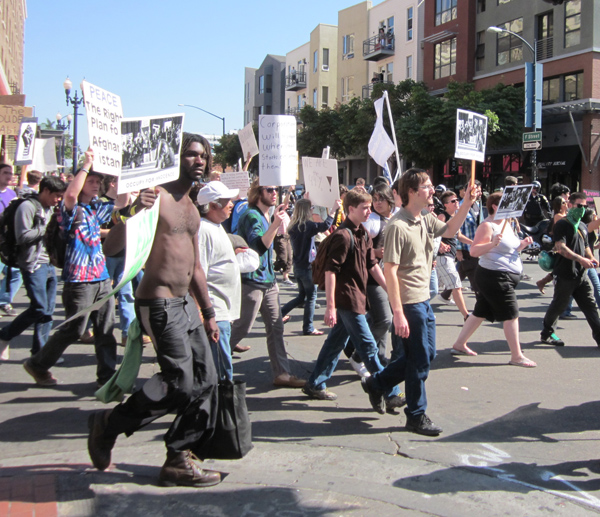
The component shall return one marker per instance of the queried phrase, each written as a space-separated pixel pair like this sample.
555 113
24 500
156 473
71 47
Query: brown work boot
99 446
181 469
42 377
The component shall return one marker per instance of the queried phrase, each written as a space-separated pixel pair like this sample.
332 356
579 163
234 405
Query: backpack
9 249
318 265
55 242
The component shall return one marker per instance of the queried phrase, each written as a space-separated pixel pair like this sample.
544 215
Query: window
445 10
348 46
325 96
409 24
445 59
315 98
299 101
572 23
480 51
347 88
573 87
390 23
509 47
315 61
480 6
261 85
563 88
545 33
409 66
390 72
551 90
325 59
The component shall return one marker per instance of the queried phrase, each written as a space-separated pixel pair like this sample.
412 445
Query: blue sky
160 53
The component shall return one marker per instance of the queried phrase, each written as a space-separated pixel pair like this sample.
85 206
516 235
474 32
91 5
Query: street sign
532 146
532 141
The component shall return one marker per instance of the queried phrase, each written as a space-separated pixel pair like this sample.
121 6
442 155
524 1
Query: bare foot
462 351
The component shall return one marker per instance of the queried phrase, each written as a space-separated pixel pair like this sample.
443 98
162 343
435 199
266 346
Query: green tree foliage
229 151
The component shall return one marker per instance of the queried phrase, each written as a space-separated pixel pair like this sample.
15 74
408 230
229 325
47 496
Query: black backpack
9 249
55 241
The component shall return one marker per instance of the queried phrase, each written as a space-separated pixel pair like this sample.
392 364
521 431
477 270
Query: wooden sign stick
472 172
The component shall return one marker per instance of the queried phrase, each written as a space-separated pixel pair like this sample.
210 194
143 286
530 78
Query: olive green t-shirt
409 244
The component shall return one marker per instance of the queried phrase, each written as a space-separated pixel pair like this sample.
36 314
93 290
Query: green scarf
574 216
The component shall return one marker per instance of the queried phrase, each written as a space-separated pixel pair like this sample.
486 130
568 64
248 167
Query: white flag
380 145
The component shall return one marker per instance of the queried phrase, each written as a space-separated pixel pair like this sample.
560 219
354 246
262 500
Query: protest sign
10 118
239 180
514 199
277 149
26 141
104 114
471 135
44 155
151 147
321 181
591 196
248 141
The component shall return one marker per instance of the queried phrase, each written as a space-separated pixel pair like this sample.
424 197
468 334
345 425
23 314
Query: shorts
448 277
496 299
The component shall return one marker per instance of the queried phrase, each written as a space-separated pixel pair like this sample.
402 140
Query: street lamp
62 127
535 96
76 102
216 116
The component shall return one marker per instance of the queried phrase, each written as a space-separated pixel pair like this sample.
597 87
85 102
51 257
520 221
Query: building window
509 47
573 87
325 59
347 88
325 96
480 6
409 66
315 95
299 101
445 59
563 88
445 10
261 85
480 51
409 24
551 91
348 46
315 61
389 69
572 23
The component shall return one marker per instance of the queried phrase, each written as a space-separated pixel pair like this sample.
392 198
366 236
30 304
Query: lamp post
75 102
535 88
63 127
216 116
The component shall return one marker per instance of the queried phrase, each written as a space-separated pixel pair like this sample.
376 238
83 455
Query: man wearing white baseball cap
218 261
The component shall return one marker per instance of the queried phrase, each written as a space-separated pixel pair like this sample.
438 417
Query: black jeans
186 383
582 292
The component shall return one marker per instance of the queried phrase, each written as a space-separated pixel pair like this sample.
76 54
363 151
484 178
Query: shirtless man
187 380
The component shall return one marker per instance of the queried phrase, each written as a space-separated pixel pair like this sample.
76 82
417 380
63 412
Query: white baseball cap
215 190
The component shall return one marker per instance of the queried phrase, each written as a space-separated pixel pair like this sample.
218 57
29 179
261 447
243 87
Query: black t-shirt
450 241
576 241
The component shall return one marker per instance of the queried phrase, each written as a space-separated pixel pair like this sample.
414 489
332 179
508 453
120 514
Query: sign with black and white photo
514 199
104 114
471 135
277 150
151 147
26 141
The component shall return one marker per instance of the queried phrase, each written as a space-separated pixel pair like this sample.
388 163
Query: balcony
545 48
378 47
367 89
295 81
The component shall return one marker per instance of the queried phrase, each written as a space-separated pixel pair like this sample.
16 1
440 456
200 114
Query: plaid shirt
469 228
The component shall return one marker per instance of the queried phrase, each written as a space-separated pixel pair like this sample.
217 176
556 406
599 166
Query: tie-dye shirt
84 258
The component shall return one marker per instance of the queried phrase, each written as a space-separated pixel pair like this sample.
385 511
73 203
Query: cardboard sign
104 114
239 180
151 147
44 155
248 141
26 141
471 135
10 118
277 150
321 181
591 196
514 199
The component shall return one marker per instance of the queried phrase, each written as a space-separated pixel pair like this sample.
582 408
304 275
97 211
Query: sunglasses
580 205
452 201
270 190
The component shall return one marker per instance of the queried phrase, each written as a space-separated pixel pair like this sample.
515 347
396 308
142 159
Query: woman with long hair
301 230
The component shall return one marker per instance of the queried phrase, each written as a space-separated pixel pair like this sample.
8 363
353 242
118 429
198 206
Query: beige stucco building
12 40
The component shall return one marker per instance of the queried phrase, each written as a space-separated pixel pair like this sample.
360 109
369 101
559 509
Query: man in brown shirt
350 260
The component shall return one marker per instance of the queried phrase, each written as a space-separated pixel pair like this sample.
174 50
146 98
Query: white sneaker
5 354
443 300
359 368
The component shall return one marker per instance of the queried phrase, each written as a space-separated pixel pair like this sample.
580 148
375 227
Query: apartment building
296 79
12 40
264 89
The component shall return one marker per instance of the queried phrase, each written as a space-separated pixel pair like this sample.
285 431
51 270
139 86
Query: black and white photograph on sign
471 135
151 148
514 199
25 141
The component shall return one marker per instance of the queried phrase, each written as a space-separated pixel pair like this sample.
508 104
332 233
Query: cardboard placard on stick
321 181
248 141
512 204
26 141
277 150
10 118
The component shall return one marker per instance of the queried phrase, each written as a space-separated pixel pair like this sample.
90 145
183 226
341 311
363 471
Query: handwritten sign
239 180
321 180
277 150
104 115
248 141
44 155
471 135
10 118
514 199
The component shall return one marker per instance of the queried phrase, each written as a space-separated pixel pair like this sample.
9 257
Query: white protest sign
248 141
26 141
44 155
239 180
514 199
471 135
151 148
104 113
326 152
321 181
277 149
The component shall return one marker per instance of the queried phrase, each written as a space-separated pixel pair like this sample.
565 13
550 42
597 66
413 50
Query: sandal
524 363
285 319
314 333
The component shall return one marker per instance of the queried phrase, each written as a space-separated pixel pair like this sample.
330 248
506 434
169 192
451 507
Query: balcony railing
545 48
379 47
295 81
367 89
293 111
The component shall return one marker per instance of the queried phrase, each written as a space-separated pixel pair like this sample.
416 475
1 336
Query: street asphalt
516 441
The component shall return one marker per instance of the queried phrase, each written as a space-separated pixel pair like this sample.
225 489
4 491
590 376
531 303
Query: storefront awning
557 159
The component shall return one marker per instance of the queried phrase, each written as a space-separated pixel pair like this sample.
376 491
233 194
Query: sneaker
569 316
99 446
395 402
41 377
7 309
443 300
318 394
552 339
375 396
288 282
422 424
359 368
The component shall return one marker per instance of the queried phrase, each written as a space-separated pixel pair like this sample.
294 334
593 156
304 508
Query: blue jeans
413 365
115 266
8 292
41 290
349 324
595 281
307 293
221 351
433 284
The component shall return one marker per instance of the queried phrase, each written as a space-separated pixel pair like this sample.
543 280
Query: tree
228 151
